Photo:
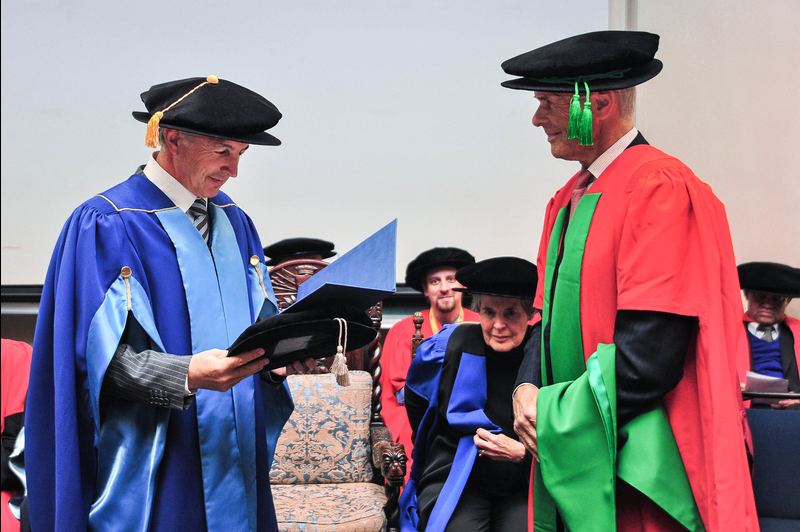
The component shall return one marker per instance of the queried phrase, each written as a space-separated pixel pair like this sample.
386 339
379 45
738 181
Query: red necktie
585 178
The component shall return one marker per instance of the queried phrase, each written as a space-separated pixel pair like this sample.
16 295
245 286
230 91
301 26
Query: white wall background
392 109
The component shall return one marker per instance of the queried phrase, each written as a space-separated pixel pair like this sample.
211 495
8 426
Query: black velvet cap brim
497 293
298 247
435 258
633 77
605 60
261 138
292 336
294 256
511 277
770 278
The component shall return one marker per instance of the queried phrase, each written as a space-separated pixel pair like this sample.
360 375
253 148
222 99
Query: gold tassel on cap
339 366
151 140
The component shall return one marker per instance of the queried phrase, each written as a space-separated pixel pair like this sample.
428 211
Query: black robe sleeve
651 349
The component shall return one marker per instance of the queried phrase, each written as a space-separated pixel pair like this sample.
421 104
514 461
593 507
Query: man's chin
445 306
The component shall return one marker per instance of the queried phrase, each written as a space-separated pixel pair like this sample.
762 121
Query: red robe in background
16 364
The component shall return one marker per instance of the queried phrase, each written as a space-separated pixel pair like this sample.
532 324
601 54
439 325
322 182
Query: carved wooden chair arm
390 458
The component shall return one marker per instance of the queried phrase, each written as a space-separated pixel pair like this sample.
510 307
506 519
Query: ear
605 104
171 136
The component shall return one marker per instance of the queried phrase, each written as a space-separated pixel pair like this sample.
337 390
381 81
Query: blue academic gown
129 257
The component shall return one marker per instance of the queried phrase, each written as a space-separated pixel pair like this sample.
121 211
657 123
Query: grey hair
627 101
187 137
525 303
161 140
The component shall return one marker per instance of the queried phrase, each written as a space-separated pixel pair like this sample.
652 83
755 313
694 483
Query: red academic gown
16 363
659 241
395 359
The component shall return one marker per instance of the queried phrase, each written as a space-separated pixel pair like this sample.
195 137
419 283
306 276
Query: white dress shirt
759 333
604 161
180 196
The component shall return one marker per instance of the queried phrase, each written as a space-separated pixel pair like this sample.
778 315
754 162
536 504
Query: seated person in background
298 248
771 343
16 363
432 273
471 472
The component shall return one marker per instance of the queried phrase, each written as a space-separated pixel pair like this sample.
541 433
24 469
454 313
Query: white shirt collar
170 186
601 163
759 333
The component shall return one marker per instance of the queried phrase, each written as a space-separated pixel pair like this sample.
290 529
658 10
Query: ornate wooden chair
336 466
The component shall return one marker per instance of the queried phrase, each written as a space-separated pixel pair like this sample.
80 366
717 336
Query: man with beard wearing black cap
640 310
137 419
432 272
771 344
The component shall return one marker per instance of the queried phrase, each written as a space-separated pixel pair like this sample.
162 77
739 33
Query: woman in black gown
470 471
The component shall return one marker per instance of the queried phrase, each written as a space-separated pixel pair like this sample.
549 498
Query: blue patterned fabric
326 439
356 507
322 468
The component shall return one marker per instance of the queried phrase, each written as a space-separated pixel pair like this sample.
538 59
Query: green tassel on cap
574 115
585 136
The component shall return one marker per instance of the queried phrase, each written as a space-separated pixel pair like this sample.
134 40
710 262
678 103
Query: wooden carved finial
417 338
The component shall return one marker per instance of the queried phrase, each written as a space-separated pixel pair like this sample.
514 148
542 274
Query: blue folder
362 277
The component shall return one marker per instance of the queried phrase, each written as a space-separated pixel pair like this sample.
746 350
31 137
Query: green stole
575 480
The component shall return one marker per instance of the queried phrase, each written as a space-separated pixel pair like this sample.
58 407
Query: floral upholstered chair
336 467
326 475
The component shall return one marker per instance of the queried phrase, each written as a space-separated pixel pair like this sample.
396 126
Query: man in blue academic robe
137 419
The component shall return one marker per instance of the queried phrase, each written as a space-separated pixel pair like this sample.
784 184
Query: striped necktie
199 213
585 178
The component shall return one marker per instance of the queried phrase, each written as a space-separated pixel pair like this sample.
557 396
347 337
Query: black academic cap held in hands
499 276
418 268
770 278
211 107
296 248
605 60
314 333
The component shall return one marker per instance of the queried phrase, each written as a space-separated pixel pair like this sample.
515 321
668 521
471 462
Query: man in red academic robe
433 273
631 404
770 343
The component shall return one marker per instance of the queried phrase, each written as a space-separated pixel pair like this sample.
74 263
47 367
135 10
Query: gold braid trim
135 210
126 272
254 262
